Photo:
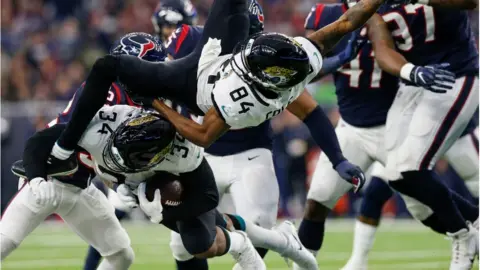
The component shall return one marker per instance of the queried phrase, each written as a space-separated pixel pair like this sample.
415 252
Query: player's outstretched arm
327 37
457 4
322 131
204 134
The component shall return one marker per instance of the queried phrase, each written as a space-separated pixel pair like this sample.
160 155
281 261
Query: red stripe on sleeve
181 37
318 14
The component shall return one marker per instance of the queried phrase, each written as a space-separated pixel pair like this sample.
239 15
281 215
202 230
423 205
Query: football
171 189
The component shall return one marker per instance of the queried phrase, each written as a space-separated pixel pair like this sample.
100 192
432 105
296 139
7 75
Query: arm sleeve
324 135
37 150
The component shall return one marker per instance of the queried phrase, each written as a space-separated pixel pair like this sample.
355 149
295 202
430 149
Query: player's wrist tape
406 71
61 153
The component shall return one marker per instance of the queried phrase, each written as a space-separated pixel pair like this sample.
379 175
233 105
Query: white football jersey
184 156
239 103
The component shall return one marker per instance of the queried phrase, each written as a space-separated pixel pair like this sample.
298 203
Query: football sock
195 263
236 241
468 210
93 259
239 224
363 240
311 234
376 195
61 153
422 185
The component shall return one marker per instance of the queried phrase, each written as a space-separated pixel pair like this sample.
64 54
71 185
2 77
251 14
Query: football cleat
295 251
55 167
248 257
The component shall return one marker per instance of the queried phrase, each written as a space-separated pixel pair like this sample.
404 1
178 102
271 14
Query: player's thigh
436 123
226 204
222 168
327 186
198 233
92 217
22 215
255 191
418 210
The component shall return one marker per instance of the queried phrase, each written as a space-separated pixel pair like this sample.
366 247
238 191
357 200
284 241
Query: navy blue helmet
255 14
173 13
141 45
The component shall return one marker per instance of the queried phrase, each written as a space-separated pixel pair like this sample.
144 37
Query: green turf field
400 245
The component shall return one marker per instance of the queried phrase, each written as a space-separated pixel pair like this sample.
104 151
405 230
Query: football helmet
271 60
255 14
173 13
141 45
139 143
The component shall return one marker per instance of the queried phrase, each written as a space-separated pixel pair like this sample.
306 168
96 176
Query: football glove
352 174
434 78
154 208
126 196
44 191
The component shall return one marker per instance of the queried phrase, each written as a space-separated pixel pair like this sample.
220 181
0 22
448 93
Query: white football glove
126 196
154 208
44 191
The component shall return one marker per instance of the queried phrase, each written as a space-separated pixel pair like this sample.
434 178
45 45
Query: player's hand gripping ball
171 189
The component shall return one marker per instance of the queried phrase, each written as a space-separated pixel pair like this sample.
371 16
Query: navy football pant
176 80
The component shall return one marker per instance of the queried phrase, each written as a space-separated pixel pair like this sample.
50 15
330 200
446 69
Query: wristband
406 70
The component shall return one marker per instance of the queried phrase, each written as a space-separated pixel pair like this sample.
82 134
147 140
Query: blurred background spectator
48 46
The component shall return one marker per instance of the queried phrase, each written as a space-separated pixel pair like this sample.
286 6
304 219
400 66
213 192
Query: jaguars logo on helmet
272 61
139 143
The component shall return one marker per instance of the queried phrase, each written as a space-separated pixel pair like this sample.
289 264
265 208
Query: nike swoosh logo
420 75
250 158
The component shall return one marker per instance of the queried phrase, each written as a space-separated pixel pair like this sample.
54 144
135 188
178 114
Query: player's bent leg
463 157
20 218
92 209
183 259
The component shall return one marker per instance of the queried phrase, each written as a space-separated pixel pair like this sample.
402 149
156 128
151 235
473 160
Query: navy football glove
352 174
434 78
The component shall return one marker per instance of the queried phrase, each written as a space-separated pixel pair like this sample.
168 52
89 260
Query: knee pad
7 246
179 251
120 260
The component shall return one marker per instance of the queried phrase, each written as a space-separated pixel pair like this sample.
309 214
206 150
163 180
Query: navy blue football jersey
180 44
116 95
426 35
364 91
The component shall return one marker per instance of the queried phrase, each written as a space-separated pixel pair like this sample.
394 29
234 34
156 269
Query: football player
240 159
435 118
365 95
171 14
130 145
266 73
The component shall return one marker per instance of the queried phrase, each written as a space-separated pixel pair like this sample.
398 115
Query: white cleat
247 257
353 264
295 250
464 248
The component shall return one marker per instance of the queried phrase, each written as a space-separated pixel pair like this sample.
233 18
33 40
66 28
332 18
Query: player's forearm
321 129
457 4
355 17
387 57
189 129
